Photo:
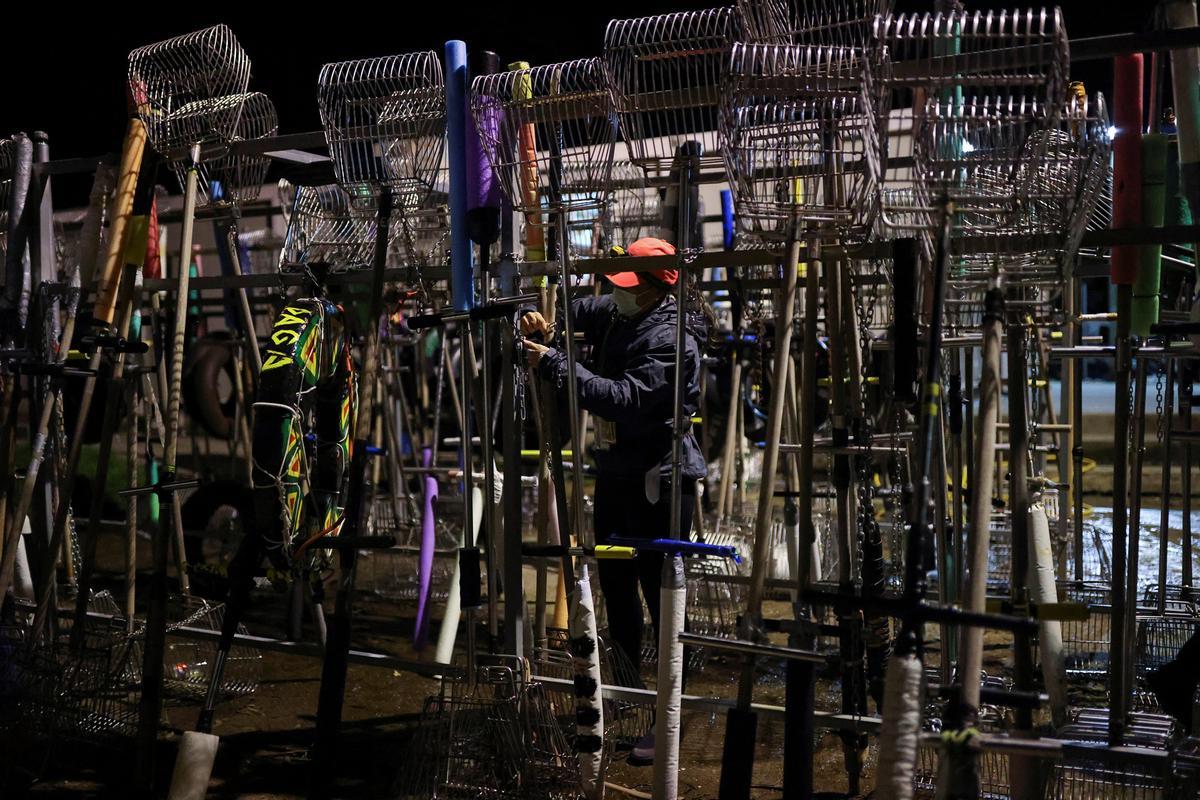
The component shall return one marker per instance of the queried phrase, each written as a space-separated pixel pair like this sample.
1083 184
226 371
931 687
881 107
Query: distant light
967 147
1112 132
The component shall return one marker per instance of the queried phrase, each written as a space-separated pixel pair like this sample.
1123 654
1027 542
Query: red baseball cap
647 246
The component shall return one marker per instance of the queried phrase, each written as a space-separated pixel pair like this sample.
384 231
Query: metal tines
958 96
795 132
191 90
231 176
666 74
385 122
1055 177
632 207
829 23
7 155
555 121
324 225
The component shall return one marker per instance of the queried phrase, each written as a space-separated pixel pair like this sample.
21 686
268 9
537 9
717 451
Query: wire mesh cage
189 89
495 738
631 209
52 691
189 661
1057 179
231 176
1086 773
384 120
323 224
625 721
1086 642
556 121
958 97
795 133
666 74
830 23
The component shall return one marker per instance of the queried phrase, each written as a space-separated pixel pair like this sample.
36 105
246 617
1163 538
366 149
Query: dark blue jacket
629 380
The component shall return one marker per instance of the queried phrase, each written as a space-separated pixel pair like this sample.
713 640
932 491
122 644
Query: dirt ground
266 736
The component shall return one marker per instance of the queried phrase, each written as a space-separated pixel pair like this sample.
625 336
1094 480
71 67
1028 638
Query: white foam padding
589 706
1042 590
193 766
672 613
900 731
448 633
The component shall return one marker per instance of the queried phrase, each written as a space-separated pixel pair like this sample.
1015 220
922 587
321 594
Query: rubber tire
197 512
210 358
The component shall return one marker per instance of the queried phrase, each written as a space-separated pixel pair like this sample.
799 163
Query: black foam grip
469 577
737 759
588 744
587 716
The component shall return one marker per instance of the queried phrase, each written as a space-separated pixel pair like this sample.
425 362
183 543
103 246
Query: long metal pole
150 708
979 519
1164 514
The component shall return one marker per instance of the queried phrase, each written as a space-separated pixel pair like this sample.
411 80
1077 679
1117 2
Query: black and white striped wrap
589 708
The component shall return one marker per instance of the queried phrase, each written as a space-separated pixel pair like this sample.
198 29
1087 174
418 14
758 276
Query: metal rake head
631 210
794 128
957 98
1037 191
236 177
831 23
182 88
325 225
555 120
666 74
385 122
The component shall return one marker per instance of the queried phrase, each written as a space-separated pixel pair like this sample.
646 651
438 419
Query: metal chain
1159 430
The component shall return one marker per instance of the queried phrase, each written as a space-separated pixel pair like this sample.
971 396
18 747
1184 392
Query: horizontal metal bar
431 669
823 720
1095 48
752 648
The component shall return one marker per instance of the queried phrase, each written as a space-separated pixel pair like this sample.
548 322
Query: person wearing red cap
627 384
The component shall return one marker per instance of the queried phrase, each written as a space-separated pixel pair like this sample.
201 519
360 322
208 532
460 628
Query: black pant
621 509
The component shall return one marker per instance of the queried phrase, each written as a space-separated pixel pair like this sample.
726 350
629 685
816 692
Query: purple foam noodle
425 559
483 189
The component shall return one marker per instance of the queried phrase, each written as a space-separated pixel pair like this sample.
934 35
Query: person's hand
534 351
533 322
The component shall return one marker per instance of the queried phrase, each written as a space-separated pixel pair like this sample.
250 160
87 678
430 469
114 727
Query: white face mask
627 302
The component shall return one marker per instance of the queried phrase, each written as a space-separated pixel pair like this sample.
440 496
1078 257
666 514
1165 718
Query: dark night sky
70 67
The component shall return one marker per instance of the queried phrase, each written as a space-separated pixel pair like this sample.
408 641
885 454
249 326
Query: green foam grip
1154 204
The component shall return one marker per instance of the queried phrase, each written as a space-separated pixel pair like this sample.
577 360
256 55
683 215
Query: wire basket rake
958 96
625 722
50 691
324 225
828 23
191 91
384 120
796 137
555 121
666 74
496 737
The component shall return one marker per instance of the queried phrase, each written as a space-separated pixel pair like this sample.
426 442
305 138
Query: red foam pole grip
1127 161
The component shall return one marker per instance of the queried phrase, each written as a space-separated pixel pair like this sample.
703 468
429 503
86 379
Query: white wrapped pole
193 766
900 731
448 633
979 530
22 578
589 706
672 611
1042 591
